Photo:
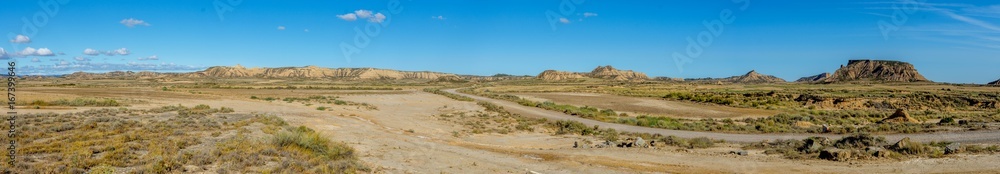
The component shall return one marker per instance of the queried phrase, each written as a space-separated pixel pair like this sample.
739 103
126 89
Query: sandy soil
652 106
384 140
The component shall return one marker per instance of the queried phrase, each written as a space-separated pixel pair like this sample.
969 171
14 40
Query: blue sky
953 41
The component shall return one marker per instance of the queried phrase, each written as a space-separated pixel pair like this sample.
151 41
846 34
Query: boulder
639 142
953 148
814 144
877 152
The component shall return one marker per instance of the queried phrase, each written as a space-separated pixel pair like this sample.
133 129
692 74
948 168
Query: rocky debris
953 148
739 152
901 144
639 142
835 154
876 70
751 77
814 144
814 78
877 152
601 72
899 117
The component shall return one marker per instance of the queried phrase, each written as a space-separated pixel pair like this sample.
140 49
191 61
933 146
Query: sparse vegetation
159 141
449 95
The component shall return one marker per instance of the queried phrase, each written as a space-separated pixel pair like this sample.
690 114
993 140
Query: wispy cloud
363 14
132 22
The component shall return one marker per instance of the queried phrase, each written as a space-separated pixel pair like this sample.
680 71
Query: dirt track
967 137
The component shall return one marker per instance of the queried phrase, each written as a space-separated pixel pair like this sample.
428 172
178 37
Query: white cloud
132 22
35 59
348 17
26 52
281 27
122 51
91 52
44 52
81 59
21 39
154 57
362 13
63 63
589 14
306 30
3 54
378 18
438 17
564 20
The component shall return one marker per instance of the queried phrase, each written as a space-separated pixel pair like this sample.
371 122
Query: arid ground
404 129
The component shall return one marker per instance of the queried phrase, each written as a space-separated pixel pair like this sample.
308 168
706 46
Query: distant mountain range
854 71
601 72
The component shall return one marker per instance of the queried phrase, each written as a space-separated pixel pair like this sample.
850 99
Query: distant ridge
749 78
306 72
876 71
814 78
994 83
601 72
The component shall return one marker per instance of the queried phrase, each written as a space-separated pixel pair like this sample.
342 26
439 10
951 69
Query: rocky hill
601 72
994 83
749 77
814 78
307 72
876 70
608 72
317 72
559 75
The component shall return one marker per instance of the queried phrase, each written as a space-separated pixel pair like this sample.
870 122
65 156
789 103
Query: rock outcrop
601 72
994 83
608 72
900 117
877 71
559 75
815 78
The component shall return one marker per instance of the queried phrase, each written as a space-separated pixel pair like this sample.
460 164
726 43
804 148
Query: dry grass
169 139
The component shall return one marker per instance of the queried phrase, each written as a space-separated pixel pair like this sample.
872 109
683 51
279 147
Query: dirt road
966 137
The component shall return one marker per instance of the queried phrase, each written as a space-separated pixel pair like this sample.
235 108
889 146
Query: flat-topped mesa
876 70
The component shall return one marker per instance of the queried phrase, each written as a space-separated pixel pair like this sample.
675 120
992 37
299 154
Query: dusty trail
966 137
